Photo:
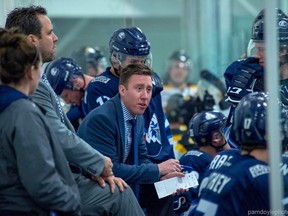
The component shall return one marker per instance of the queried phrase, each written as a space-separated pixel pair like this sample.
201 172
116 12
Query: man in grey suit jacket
96 196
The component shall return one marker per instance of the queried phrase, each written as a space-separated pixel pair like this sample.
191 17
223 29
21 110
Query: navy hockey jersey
199 161
221 158
238 187
284 172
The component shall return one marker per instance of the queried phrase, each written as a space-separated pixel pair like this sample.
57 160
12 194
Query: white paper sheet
169 186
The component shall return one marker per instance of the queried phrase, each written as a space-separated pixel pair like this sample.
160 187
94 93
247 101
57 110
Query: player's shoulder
104 78
253 168
231 151
195 153
196 156
223 157
105 82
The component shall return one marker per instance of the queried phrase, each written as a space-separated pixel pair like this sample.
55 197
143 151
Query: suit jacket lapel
120 122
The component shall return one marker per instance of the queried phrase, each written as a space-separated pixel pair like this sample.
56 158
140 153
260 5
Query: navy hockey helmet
249 122
282 26
203 124
258 32
59 73
130 42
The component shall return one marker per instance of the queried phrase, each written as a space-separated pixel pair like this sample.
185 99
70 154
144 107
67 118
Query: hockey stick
214 80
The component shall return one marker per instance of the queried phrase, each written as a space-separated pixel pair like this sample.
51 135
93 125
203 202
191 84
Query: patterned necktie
128 144
45 80
134 148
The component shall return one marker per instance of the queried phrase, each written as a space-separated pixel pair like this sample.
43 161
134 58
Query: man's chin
48 58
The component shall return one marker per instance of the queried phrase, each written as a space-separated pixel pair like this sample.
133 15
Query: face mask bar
251 49
124 59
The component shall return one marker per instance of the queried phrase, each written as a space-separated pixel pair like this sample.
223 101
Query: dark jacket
103 128
33 169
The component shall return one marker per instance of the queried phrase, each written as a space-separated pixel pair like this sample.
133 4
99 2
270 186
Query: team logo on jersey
258 170
102 79
153 137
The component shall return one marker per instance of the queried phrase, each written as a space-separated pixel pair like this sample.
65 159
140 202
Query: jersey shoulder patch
102 79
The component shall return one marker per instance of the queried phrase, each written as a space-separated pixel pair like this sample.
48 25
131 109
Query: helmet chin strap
116 71
219 148
84 86
283 63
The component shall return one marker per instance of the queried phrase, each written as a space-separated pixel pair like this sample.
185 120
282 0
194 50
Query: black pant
154 206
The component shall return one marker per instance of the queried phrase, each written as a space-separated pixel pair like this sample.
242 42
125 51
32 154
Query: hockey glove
244 79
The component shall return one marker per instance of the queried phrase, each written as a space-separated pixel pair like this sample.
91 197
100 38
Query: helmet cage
124 59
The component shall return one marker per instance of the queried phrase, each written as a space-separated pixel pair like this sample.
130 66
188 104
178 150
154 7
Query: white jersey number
207 207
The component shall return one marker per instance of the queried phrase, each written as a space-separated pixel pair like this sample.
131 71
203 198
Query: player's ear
77 83
33 39
121 89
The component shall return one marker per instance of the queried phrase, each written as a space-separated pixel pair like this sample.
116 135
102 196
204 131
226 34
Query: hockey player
127 46
245 76
206 130
91 59
176 80
66 78
241 184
